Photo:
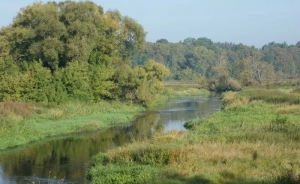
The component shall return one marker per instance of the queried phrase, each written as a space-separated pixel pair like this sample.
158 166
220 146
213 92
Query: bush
111 174
203 83
224 83
234 85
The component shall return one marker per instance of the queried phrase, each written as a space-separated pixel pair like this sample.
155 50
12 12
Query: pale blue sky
251 22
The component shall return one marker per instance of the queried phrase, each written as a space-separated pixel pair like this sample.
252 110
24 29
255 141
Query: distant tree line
202 58
57 52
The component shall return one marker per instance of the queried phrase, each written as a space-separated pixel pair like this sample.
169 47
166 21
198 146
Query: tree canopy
55 52
58 33
201 57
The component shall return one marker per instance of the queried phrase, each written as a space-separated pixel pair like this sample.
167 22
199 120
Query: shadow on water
65 158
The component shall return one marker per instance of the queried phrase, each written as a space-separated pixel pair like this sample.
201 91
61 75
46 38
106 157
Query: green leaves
58 33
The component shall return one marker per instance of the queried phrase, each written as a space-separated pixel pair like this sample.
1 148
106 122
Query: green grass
254 139
181 91
22 123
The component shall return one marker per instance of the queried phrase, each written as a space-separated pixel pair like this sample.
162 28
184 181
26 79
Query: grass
254 139
181 91
22 123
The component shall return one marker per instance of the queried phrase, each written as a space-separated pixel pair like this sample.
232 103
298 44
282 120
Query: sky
250 22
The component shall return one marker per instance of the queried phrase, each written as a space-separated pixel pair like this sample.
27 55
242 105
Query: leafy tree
10 79
36 83
156 70
298 44
58 33
101 73
162 41
75 78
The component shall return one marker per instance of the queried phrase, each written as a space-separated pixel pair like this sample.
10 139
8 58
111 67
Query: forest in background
195 58
74 51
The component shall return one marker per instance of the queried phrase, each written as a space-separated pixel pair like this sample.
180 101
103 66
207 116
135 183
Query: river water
64 159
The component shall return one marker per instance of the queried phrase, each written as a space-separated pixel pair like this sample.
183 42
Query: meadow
254 139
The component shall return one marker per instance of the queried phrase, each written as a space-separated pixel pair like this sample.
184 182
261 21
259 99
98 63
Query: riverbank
254 139
26 122
22 123
181 91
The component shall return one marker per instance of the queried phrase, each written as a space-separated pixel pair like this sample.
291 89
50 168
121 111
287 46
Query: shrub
224 83
111 174
234 85
203 83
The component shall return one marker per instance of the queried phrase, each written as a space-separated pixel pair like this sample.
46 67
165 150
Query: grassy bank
22 122
254 139
180 91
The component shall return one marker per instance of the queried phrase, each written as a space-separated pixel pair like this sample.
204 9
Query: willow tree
58 33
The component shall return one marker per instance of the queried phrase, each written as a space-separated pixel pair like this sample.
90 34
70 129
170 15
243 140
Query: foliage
58 33
141 84
223 83
201 57
74 51
111 174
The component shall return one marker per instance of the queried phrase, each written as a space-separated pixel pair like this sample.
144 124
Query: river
64 159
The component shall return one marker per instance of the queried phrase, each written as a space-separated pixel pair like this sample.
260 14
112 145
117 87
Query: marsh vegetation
254 139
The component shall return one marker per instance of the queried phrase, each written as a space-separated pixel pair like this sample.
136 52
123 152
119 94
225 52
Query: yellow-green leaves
58 33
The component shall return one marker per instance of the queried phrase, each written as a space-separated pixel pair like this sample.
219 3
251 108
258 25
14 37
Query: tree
70 31
298 44
75 78
36 34
250 70
163 40
36 83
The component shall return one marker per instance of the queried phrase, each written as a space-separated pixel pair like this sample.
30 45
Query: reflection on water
177 112
66 158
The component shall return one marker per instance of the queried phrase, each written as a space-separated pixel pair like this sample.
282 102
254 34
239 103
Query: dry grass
243 161
9 109
231 99
255 139
248 160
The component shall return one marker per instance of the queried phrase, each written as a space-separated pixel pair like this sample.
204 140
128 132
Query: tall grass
10 109
22 123
272 96
254 139
179 91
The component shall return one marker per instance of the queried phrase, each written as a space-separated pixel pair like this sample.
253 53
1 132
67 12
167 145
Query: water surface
65 158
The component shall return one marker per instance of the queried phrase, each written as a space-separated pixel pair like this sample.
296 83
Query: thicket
77 81
74 51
